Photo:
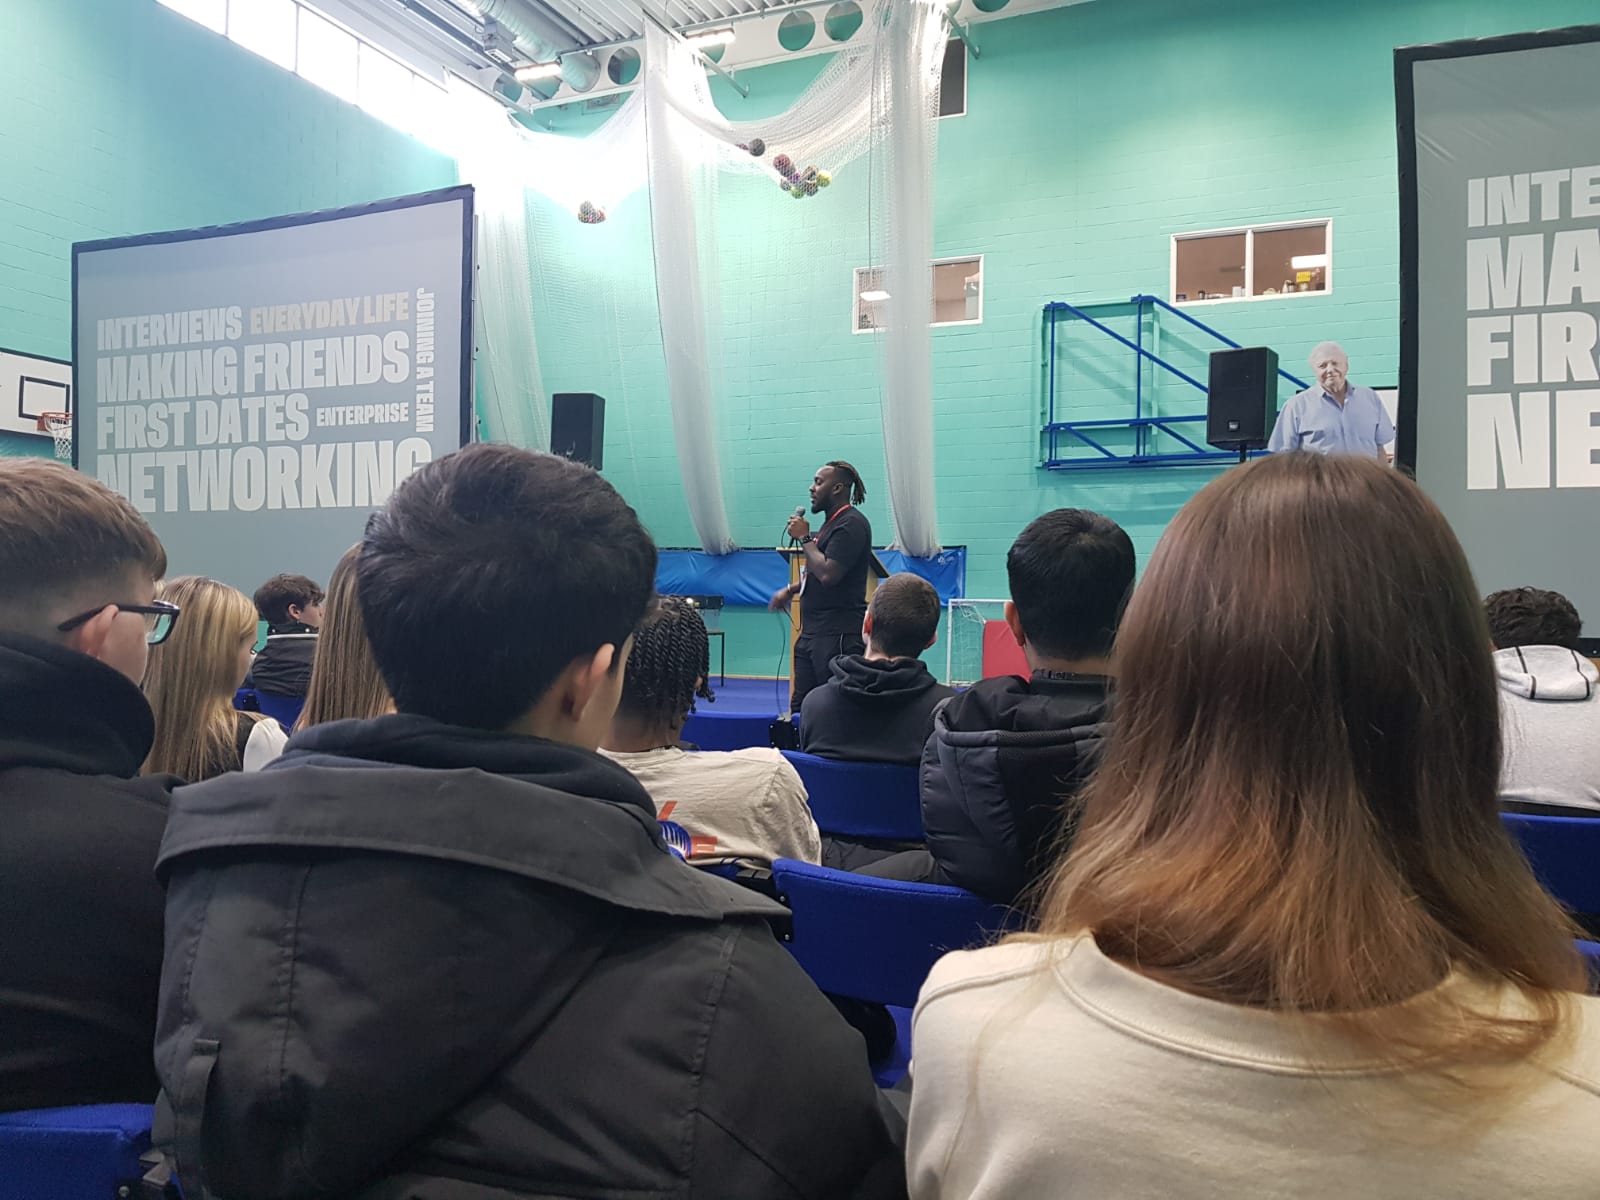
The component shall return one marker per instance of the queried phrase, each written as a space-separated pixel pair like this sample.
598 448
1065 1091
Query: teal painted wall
1093 133
122 117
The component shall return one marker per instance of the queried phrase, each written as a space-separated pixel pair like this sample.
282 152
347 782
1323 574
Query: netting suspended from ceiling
877 98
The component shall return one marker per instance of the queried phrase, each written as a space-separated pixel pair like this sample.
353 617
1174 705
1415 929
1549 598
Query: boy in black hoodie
445 953
80 909
878 707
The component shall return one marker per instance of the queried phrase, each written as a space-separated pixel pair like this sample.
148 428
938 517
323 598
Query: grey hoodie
1550 721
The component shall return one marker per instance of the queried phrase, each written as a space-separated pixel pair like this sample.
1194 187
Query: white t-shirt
734 804
267 740
1039 1076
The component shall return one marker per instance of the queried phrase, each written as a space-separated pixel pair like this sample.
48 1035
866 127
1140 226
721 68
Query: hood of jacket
375 922
1001 773
882 681
1546 673
66 711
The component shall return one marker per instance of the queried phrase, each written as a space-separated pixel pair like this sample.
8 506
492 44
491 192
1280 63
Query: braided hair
858 490
670 664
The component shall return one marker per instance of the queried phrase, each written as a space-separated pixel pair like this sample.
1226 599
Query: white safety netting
876 99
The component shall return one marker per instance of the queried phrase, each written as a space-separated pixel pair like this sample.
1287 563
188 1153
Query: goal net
964 646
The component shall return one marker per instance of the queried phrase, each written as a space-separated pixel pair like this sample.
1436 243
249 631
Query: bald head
903 617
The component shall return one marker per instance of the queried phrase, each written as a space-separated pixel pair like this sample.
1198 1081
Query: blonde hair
192 677
345 682
1297 809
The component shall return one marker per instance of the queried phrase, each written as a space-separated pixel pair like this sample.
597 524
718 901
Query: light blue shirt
1314 420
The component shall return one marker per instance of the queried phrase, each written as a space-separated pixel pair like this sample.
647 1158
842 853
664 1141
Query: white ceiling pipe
542 39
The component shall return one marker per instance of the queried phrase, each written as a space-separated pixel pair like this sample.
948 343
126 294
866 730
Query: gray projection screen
1499 147
257 390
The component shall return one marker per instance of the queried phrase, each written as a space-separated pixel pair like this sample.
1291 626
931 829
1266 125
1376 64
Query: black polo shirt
847 539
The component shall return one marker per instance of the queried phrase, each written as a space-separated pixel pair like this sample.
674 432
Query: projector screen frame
462 192
1405 58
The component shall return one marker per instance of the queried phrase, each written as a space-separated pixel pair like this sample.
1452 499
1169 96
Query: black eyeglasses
159 618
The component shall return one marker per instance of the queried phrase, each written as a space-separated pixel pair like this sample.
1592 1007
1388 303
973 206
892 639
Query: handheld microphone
799 511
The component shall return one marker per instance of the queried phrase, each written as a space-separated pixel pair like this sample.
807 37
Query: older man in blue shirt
1333 417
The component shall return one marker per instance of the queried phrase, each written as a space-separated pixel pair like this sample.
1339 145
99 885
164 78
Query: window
327 55
267 27
384 87
213 14
300 39
953 80
957 294
1253 263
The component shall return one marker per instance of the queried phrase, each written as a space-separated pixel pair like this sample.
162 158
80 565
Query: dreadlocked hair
858 490
670 664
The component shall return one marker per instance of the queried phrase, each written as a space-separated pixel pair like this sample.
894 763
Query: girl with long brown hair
1291 951
191 681
345 682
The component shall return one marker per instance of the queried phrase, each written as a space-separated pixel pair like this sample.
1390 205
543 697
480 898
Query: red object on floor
1001 654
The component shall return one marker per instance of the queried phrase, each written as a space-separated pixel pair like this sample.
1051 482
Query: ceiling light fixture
536 71
710 37
874 297
1306 262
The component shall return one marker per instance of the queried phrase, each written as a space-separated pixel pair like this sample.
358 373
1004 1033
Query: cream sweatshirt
1051 1071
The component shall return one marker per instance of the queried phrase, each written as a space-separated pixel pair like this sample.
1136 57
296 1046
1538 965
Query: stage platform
740 715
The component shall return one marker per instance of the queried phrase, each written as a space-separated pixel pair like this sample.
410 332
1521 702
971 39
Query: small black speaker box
578 427
1242 399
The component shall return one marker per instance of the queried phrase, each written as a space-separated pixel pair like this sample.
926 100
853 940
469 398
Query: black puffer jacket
80 909
1001 775
415 961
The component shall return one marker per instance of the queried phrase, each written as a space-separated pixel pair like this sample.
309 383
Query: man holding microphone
833 580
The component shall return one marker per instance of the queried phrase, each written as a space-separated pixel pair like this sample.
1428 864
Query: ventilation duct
541 39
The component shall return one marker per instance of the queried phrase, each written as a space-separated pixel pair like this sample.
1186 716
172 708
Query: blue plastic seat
877 939
1564 853
285 710
83 1153
861 800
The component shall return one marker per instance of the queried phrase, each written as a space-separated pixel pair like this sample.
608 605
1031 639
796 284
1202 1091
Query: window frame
1249 231
855 293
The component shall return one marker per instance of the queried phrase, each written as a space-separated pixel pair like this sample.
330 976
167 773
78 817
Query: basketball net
59 426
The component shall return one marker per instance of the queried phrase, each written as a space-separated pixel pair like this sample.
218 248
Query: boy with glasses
80 909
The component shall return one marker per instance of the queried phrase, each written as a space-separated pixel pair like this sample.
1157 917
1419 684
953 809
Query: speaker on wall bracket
578 426
1242 398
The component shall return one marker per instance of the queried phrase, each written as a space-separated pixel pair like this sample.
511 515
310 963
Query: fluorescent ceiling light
874 297
710 37
1305 262
538 71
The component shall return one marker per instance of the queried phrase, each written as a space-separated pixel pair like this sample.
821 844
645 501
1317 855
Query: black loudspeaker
578 427
1242 399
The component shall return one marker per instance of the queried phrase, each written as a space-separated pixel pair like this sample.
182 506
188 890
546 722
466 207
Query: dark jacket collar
410 785
64 710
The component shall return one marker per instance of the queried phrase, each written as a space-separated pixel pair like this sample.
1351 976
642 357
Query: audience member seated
746 805
291 605
345 683
1001 773
80 909
878 706
1549 705
1292 952
445 952
191 681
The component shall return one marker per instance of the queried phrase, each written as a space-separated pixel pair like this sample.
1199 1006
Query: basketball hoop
59 426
